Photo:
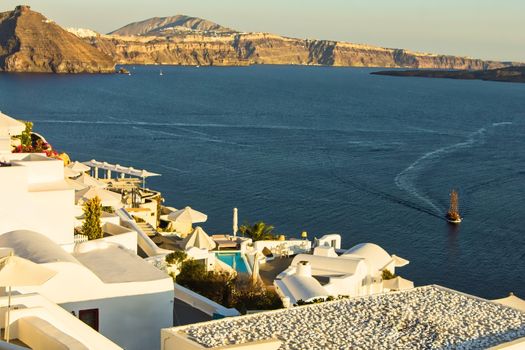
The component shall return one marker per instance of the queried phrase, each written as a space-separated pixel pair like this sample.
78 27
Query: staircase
147 229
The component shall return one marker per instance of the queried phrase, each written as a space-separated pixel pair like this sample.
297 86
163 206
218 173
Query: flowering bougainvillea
39 146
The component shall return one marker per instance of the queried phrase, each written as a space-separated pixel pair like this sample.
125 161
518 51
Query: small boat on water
453 212
161 72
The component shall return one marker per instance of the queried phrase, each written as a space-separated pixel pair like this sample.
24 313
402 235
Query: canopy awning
120 169
107 198
18 272
87 180
187 215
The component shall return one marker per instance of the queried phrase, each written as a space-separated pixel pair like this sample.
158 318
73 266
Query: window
89 317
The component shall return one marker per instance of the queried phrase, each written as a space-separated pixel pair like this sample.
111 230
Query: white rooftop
115 264
376 257
35 247
429 317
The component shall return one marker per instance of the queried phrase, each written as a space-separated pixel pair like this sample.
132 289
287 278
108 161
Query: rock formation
165 26
263 48
508 74
29 42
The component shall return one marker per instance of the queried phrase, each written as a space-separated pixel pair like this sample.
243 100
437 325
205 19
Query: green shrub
177 257
225 289
387 275
213 285
91 226
25 137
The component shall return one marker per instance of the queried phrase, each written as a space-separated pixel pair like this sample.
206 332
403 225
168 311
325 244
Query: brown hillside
29 42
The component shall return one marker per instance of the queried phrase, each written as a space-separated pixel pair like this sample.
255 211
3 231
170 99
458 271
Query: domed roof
375 256
35 246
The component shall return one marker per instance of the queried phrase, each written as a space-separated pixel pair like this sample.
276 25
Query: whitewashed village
91 258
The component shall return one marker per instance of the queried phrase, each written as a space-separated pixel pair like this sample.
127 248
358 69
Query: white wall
35 197
133 322
35 305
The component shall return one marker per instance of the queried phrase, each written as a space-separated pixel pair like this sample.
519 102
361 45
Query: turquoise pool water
234 259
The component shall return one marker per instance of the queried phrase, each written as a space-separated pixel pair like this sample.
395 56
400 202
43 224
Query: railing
80 238
144 242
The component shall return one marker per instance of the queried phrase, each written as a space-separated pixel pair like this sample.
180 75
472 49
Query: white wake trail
406 179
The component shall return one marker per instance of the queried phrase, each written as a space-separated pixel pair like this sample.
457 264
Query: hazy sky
490 29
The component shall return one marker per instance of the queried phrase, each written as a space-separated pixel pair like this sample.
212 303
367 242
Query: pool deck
269 270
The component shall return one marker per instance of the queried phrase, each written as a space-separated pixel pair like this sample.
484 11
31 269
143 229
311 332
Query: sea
315 149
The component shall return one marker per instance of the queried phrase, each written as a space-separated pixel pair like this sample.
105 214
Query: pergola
117 168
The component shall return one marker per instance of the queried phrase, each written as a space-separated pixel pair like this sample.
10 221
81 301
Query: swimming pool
235 260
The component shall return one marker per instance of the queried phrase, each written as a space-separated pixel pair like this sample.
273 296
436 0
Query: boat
453 213
161 72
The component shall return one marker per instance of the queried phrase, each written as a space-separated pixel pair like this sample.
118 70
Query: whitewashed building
356 272
103 282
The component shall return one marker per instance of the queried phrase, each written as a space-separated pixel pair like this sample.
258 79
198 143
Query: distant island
29 42
507 74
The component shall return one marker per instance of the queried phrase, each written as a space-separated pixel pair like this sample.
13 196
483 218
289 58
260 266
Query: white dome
375 256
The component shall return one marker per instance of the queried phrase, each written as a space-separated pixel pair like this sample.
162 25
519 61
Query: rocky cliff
29 42
262 48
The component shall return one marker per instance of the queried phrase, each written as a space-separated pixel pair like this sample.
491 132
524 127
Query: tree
258 231
387 274
210 284
177 257
91 226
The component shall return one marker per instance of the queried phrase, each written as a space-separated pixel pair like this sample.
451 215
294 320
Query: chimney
304 268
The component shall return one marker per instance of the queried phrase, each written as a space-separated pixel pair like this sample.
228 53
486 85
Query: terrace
430 317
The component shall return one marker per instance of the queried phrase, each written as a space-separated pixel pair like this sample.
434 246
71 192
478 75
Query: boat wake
406 179
186 135
360 186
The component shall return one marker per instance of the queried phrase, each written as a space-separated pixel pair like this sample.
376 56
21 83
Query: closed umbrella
398 283
78 167
235 222
107 198
255 271
199 239
187 215
19 272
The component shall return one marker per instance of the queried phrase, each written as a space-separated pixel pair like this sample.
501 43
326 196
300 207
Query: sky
488 29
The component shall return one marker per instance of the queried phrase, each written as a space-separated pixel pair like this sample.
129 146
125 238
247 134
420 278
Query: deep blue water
316 149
